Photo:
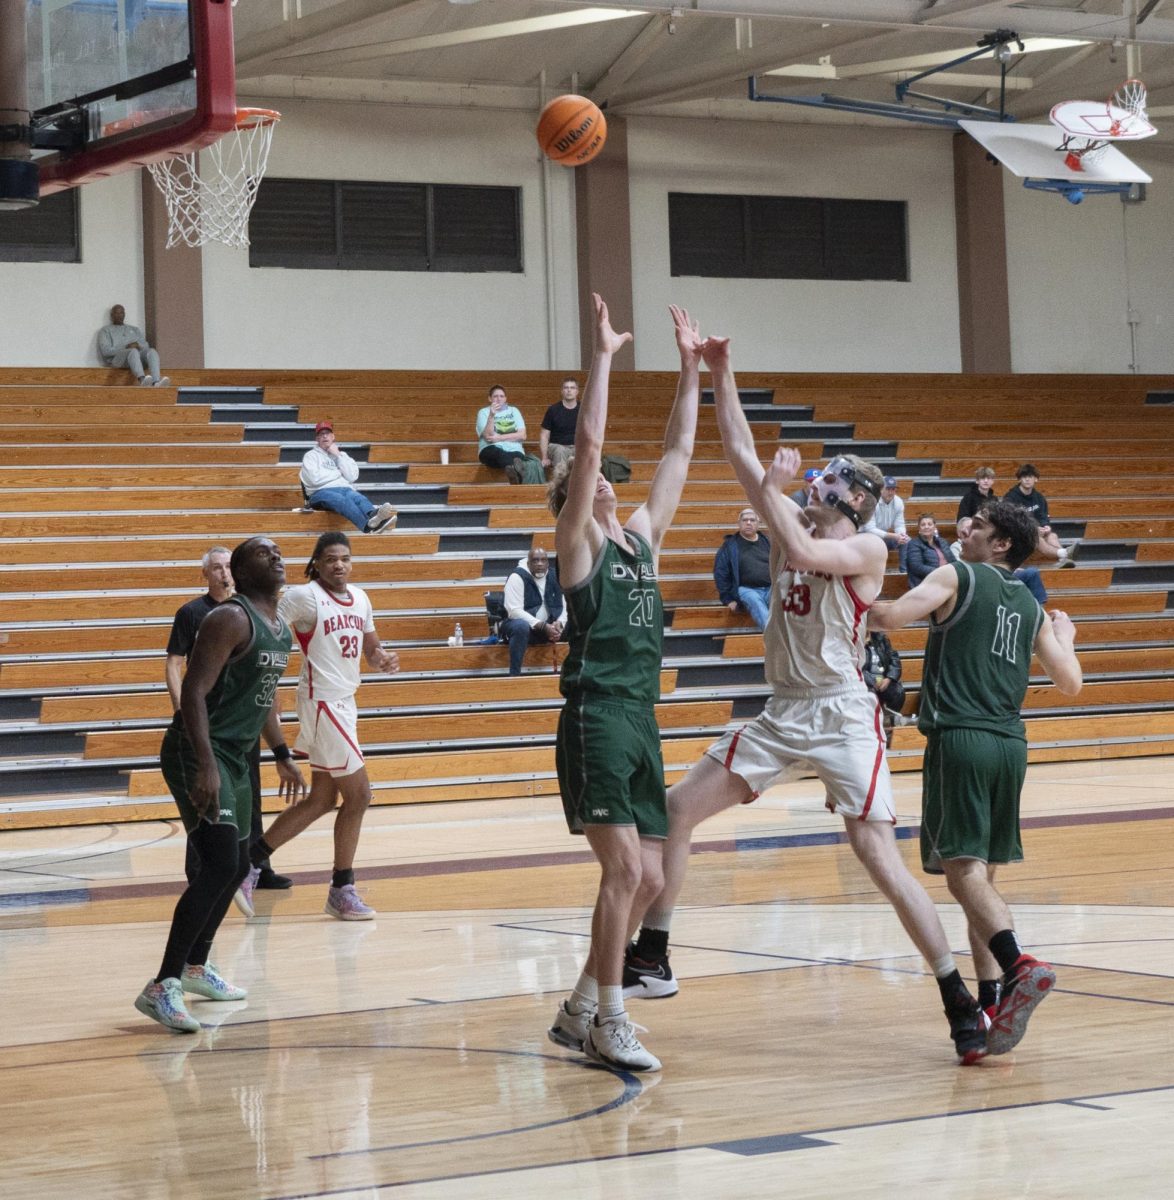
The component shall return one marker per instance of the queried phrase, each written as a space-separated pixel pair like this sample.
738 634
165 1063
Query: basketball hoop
1129 98
215 207
1078 151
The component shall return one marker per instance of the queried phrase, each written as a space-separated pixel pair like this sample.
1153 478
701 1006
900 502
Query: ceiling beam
629 61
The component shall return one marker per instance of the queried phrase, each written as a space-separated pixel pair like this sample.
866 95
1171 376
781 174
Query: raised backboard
116 84
1088 119
1033 152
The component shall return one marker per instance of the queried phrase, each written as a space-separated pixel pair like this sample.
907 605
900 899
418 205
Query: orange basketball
571 130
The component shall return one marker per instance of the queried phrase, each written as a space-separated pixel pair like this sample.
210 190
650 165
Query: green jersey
616 626
242 696
978 660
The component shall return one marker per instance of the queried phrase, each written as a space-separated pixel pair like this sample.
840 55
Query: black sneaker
968 1029
271 881
648 979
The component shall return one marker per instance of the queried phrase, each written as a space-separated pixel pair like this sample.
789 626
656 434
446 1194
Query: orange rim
248 117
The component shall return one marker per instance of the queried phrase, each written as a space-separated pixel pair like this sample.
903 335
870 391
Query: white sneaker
570 1029
162 381
146 381
162 1001
243 896
206 981
613 1041
383 518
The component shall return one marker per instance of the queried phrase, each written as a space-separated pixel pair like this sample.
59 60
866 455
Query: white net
215 206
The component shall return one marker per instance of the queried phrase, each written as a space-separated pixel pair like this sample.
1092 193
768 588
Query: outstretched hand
716 353
606 338
688 336
783 468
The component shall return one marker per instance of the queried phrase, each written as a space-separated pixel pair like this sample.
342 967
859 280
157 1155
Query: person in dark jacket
1025 495
534 605
927 551
741 569
980 492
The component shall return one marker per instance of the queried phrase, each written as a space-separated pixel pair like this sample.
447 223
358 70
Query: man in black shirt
1025 496
556 438
214 568
741 569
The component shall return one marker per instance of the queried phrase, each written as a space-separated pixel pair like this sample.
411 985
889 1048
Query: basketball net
215 206
1125 108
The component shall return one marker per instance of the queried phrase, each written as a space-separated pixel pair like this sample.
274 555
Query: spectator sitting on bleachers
980 492
123 345
889 519
1024 494
1030 576
328 479
741 569
926 552
534 605
501 435
556 438
882 676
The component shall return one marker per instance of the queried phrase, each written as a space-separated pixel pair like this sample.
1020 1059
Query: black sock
652 944
988 992
260 852
955 994
1005 947
342 878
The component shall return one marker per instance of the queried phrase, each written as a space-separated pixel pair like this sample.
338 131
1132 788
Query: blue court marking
776 1143
1086 1104
44 899
786 1142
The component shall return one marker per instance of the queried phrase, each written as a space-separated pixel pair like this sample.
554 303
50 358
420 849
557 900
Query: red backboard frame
213 116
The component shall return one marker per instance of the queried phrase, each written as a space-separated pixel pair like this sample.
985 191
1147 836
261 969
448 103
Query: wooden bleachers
114 493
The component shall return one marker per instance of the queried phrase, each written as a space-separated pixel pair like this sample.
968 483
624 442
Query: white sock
611 1002
658 919
584 997
1063 554
943 966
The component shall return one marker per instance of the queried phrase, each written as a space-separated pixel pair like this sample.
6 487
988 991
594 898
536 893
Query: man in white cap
328 478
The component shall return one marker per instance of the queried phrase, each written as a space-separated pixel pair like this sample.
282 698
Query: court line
785 1142
509 862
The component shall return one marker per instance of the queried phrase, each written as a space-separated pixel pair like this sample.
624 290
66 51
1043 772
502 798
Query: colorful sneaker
344 903
162 1001
969 1028
207 982
648 979
243 898
1033 981
570 1029
613 1042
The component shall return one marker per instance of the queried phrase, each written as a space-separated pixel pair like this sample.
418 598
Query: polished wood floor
406 1057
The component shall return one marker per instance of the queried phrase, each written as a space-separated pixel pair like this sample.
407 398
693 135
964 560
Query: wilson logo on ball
571 130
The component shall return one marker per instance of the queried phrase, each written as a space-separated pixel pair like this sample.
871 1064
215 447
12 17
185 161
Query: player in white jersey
820 719
332 622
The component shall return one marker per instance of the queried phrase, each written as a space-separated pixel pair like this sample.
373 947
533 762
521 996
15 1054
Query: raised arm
1055 649
737 440
655 515
577 538
848 556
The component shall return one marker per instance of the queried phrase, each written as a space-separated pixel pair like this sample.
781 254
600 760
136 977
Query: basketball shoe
570 1029
613 1042
162 1001
968 1028
206 981
648 978
345 904
1029 985
243 897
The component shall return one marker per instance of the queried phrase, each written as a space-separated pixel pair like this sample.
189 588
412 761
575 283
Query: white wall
50 313
799 325
263 317
1074 272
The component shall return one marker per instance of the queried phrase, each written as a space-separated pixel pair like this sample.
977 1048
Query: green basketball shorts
178 761
610 769
971 781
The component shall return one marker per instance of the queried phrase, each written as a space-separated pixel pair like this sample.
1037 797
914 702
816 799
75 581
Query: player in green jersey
984 627
609 763
227 700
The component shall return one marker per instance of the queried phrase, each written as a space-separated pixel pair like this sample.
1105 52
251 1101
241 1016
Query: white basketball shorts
328 735
838 738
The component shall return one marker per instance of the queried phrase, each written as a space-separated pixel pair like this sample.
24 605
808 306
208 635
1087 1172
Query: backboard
116 84
1033 152
1088 119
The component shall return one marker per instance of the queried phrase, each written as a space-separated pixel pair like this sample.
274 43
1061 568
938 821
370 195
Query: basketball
571 130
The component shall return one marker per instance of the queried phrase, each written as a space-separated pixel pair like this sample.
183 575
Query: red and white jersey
814 639
330 630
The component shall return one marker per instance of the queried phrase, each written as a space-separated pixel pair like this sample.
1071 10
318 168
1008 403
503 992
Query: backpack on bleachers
615 468
525 470
495 612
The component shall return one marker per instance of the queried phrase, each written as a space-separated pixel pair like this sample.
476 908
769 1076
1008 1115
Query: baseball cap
811 473
890 481
323 425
